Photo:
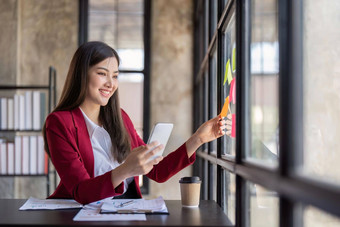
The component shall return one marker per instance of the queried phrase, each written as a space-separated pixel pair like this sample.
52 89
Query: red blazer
72 156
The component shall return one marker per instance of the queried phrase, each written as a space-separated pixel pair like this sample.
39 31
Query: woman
92 143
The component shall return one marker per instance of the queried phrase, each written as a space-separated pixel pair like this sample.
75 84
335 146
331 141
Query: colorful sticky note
233 125
234 93
232 96
227 74
234 59
225 107
228 69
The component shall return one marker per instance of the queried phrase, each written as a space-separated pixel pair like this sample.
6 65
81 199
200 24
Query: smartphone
161 132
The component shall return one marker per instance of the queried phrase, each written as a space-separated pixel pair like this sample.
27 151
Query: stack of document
50 204
134 206
103 210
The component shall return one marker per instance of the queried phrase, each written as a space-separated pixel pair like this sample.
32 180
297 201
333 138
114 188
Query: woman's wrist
196 140
119 174
192 144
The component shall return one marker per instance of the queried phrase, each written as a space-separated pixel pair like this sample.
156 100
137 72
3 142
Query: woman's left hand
214 128
209 131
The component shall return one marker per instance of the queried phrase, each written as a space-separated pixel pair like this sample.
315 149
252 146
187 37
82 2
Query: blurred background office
37 34
180 61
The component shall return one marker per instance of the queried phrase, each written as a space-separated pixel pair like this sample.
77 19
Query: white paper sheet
94 215
134 206
97 204
50 204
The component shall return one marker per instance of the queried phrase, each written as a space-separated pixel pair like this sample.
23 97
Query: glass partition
229 84
264 83
229 195
120 24
264 206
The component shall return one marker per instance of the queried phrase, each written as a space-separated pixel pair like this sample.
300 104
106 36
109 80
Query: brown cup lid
188 180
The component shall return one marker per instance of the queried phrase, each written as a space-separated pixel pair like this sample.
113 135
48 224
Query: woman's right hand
139 162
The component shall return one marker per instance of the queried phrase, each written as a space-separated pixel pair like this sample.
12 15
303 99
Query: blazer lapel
84 143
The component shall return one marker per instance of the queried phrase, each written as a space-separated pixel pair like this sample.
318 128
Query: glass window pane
229 82
102 5
130 5
205 111
206 96
130 40
132 59
214 181
205 182
213 94
131 93
321 82
102 27
314 217
224 2
213 85
201 103
229 195
131 98
213 17
120 24
264 82
264 206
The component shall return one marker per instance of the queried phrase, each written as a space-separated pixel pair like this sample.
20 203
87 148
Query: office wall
8 53
48 34
8 56
34 35
171 79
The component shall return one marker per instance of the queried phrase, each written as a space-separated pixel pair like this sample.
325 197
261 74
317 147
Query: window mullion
291 101
243 24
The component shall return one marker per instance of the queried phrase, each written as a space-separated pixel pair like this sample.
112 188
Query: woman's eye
102 74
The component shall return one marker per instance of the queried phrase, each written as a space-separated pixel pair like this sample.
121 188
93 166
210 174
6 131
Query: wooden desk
208 214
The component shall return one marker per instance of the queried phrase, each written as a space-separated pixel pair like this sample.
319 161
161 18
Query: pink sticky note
232 92
233 125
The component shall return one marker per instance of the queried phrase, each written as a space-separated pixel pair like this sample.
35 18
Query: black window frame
83 37
292 188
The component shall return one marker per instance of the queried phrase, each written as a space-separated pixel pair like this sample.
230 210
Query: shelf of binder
22 117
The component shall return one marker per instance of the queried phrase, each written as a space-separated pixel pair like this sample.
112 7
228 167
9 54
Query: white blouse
102 145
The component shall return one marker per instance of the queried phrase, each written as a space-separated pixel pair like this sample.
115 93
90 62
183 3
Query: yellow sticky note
228 70
224 111
234 59
227 74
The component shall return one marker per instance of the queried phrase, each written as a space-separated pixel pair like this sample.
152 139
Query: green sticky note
234 59
225 74
228 71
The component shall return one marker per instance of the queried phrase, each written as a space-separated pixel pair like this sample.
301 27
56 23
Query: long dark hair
74 91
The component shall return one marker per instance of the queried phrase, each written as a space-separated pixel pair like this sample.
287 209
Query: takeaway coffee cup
190 191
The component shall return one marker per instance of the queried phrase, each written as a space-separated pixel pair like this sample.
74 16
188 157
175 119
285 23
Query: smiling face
102 83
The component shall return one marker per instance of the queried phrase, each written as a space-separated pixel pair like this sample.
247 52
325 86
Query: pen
133 211
126 203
